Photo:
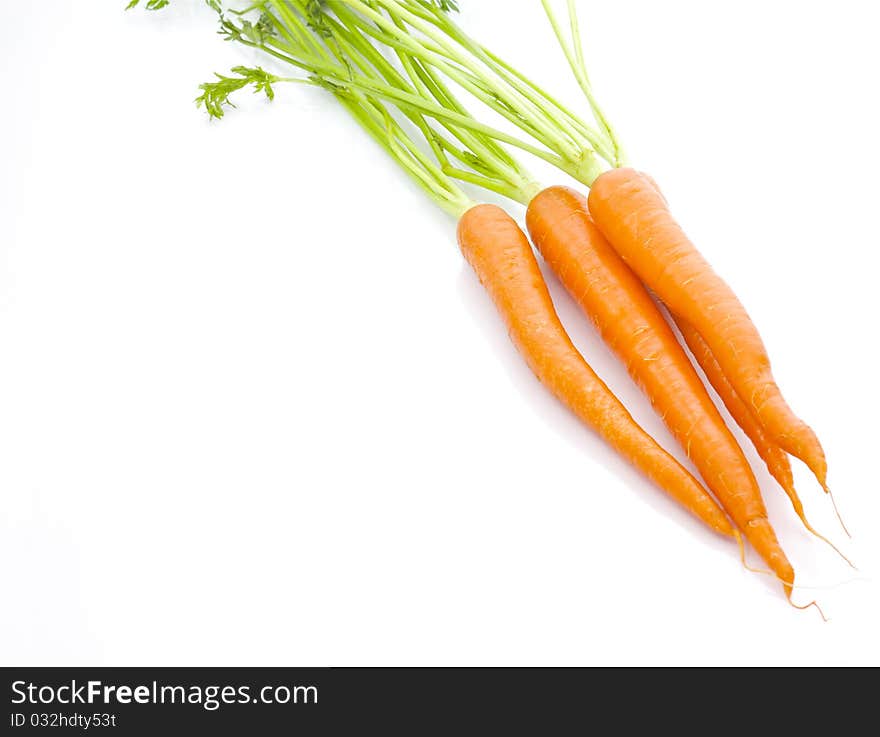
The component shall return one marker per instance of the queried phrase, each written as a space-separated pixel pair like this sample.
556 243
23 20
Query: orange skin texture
500 254
631 324
633 215
773 456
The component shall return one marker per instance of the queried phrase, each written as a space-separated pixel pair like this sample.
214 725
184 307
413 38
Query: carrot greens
411 55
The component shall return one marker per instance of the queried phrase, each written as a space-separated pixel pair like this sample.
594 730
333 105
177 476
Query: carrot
634 328
773 456
500 254
630 211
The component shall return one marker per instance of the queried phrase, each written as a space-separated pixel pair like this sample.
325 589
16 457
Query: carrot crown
407 57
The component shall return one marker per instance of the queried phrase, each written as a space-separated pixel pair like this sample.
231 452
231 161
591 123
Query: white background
255 408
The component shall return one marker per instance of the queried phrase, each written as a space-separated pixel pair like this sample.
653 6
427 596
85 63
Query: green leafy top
216 94
423 33
348 46
159 4
151 4
446 6
303 34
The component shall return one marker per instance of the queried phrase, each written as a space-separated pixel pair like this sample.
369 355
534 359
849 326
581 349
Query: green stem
337 53
505 175
406 100
431 180
375 119
507 103
365 56
574 54
544 100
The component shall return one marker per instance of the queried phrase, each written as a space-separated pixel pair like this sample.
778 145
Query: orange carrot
634 328
773 456
630 211
502 258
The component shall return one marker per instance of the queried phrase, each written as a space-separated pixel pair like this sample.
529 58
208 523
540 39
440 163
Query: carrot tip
742 556
788 587
832 546
806 606
837 512
800 513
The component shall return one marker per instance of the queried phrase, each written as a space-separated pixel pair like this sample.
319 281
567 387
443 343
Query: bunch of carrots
399 67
